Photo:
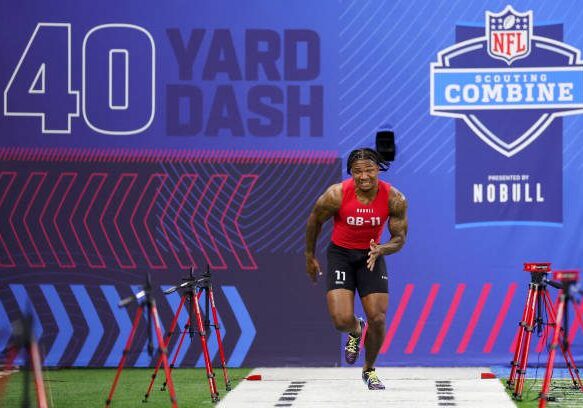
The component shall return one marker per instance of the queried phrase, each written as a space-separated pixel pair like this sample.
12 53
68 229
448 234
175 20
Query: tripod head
537 267
145 295
538 271
567 281
191 282
144 299
23 330
567 277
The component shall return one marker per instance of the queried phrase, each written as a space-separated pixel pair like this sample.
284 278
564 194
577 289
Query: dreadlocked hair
367 154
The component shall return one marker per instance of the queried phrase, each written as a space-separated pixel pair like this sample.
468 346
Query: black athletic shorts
347 270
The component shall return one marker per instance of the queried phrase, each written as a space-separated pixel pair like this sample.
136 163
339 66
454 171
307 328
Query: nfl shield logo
509 34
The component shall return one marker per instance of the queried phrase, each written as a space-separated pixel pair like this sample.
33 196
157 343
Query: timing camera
385 144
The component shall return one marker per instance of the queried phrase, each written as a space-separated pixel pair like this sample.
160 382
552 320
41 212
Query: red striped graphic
126 155
94 249
28 246
422 319
159 262
396 320
474 319
193 224
68 262
176 220
250 262
128 262
108 219
500 318
457 297
218 189
577 322
363 336
9 262
171 200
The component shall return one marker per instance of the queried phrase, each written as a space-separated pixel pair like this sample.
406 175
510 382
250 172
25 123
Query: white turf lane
414 387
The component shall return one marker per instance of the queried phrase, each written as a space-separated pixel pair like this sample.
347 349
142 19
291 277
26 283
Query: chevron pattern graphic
73 322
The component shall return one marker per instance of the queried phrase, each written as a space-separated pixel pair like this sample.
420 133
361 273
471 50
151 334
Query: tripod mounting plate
531 267
189 283
566 276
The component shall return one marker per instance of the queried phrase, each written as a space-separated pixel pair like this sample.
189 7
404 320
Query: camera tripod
145 301
567 281
532 318
191 290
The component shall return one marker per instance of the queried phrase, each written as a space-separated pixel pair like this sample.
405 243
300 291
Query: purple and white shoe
371 379
352 347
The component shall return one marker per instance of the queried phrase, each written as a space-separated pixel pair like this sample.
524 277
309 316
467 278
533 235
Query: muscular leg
375 306
341 309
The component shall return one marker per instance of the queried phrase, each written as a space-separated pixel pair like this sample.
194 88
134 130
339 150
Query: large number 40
118 79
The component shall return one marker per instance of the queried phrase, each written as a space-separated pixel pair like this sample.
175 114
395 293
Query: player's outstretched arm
398 222
397 228
326 206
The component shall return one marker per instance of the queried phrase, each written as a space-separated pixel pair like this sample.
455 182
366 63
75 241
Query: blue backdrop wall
143 137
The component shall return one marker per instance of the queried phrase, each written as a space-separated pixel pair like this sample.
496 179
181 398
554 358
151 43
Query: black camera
385 144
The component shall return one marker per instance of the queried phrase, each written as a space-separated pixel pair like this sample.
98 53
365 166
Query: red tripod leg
552 322
166 343
568 356
550 309
11 354
41 397
529 327
207 360
571 366
172 364
178 348
520 336
219 340
10 357
163 353
182 337
125 353
554 346
576 378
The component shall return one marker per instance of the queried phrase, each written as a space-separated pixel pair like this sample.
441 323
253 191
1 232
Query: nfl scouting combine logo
510 82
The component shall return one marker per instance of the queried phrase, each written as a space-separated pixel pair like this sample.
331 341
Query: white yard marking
415 387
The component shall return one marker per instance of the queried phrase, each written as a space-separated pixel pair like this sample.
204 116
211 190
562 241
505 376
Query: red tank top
355 223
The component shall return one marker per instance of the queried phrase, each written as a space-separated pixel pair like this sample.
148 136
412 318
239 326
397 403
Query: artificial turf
90 387
564 393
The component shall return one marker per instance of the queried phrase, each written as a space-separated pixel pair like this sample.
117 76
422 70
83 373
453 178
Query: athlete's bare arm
326 206
398 225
